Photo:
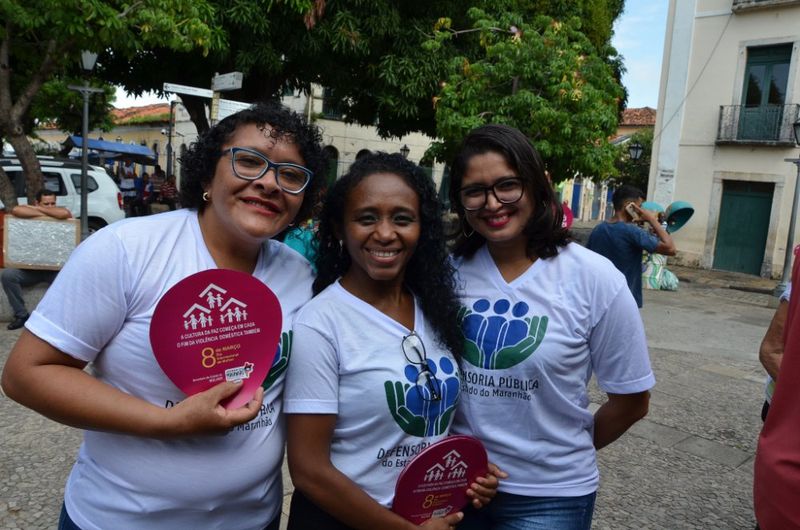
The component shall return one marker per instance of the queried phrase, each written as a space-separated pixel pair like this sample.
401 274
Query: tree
369 53
39 38
635 172
540 75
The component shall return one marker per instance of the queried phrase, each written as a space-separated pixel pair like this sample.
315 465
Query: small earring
465 232
205 196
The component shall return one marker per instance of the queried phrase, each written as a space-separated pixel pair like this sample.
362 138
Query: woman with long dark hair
539 314
373 378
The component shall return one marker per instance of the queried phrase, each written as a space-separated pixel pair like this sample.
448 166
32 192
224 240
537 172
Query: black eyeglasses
250 165
414 350
507 191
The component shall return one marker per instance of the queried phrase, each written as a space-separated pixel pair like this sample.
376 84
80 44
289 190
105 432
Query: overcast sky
639 38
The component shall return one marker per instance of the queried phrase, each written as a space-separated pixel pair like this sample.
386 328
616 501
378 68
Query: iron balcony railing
743 5
764 124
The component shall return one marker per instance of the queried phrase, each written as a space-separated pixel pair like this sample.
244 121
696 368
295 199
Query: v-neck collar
487 262
263 251
418 320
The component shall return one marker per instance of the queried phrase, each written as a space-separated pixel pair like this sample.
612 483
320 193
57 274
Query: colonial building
729 95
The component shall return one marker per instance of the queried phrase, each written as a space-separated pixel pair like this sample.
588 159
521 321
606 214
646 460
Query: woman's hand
448 522
483 490
203 413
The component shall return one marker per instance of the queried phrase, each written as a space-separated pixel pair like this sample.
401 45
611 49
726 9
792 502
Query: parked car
63 176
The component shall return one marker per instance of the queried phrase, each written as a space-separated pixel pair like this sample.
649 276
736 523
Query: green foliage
57 104
384 59
635 172
545 78
45 36
39 45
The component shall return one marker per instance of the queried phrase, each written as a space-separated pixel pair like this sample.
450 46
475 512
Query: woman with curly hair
373 378
540 314
153 457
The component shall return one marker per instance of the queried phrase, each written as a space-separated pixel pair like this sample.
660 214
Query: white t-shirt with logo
531 348
99 310
348 360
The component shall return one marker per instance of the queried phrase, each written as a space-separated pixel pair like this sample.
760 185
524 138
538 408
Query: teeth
384 253
258 204
498 219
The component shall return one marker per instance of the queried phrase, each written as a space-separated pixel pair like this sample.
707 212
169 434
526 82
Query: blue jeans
517 512
64 522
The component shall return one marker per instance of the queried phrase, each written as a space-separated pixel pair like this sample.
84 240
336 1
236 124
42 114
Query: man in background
620 240
14 280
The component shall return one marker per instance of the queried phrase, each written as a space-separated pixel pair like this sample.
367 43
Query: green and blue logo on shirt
281 362
412 406
495 339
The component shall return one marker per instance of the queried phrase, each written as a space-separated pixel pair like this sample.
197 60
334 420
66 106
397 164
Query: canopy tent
140 154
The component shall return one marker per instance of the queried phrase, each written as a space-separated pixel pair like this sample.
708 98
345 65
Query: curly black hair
199 163
543 230
429 273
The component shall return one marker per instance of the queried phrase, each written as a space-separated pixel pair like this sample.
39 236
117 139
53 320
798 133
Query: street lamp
635 151
88 60
787 260
404 151
169 135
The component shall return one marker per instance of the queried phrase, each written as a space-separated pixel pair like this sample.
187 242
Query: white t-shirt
348 360
531 348
99 310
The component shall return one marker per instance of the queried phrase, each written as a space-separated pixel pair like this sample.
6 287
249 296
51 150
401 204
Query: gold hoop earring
465 232
205 196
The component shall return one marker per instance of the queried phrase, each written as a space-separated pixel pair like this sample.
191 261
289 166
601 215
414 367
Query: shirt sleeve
87 303
312 380
618 348
644 239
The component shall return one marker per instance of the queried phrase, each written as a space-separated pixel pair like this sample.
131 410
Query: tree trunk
196 107
7 193
27 159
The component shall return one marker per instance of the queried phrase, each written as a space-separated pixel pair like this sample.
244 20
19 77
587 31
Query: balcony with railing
769 125
745 5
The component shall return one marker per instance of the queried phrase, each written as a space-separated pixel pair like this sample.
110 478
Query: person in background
770 353
373 373
157 179
127 185
153 457
540 316
14 280
622 242
168 192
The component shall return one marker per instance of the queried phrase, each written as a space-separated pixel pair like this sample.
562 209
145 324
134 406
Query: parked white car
63 176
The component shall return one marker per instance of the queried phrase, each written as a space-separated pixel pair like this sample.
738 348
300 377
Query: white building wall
704 66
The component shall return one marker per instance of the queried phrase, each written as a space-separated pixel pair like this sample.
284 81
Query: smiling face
500 224
249 212
380 229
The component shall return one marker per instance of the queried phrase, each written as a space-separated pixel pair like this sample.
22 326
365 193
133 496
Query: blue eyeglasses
250 165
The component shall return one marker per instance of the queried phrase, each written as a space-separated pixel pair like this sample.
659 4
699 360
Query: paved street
688 465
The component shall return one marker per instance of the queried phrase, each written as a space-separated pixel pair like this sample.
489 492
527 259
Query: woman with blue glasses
152 457
373 378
